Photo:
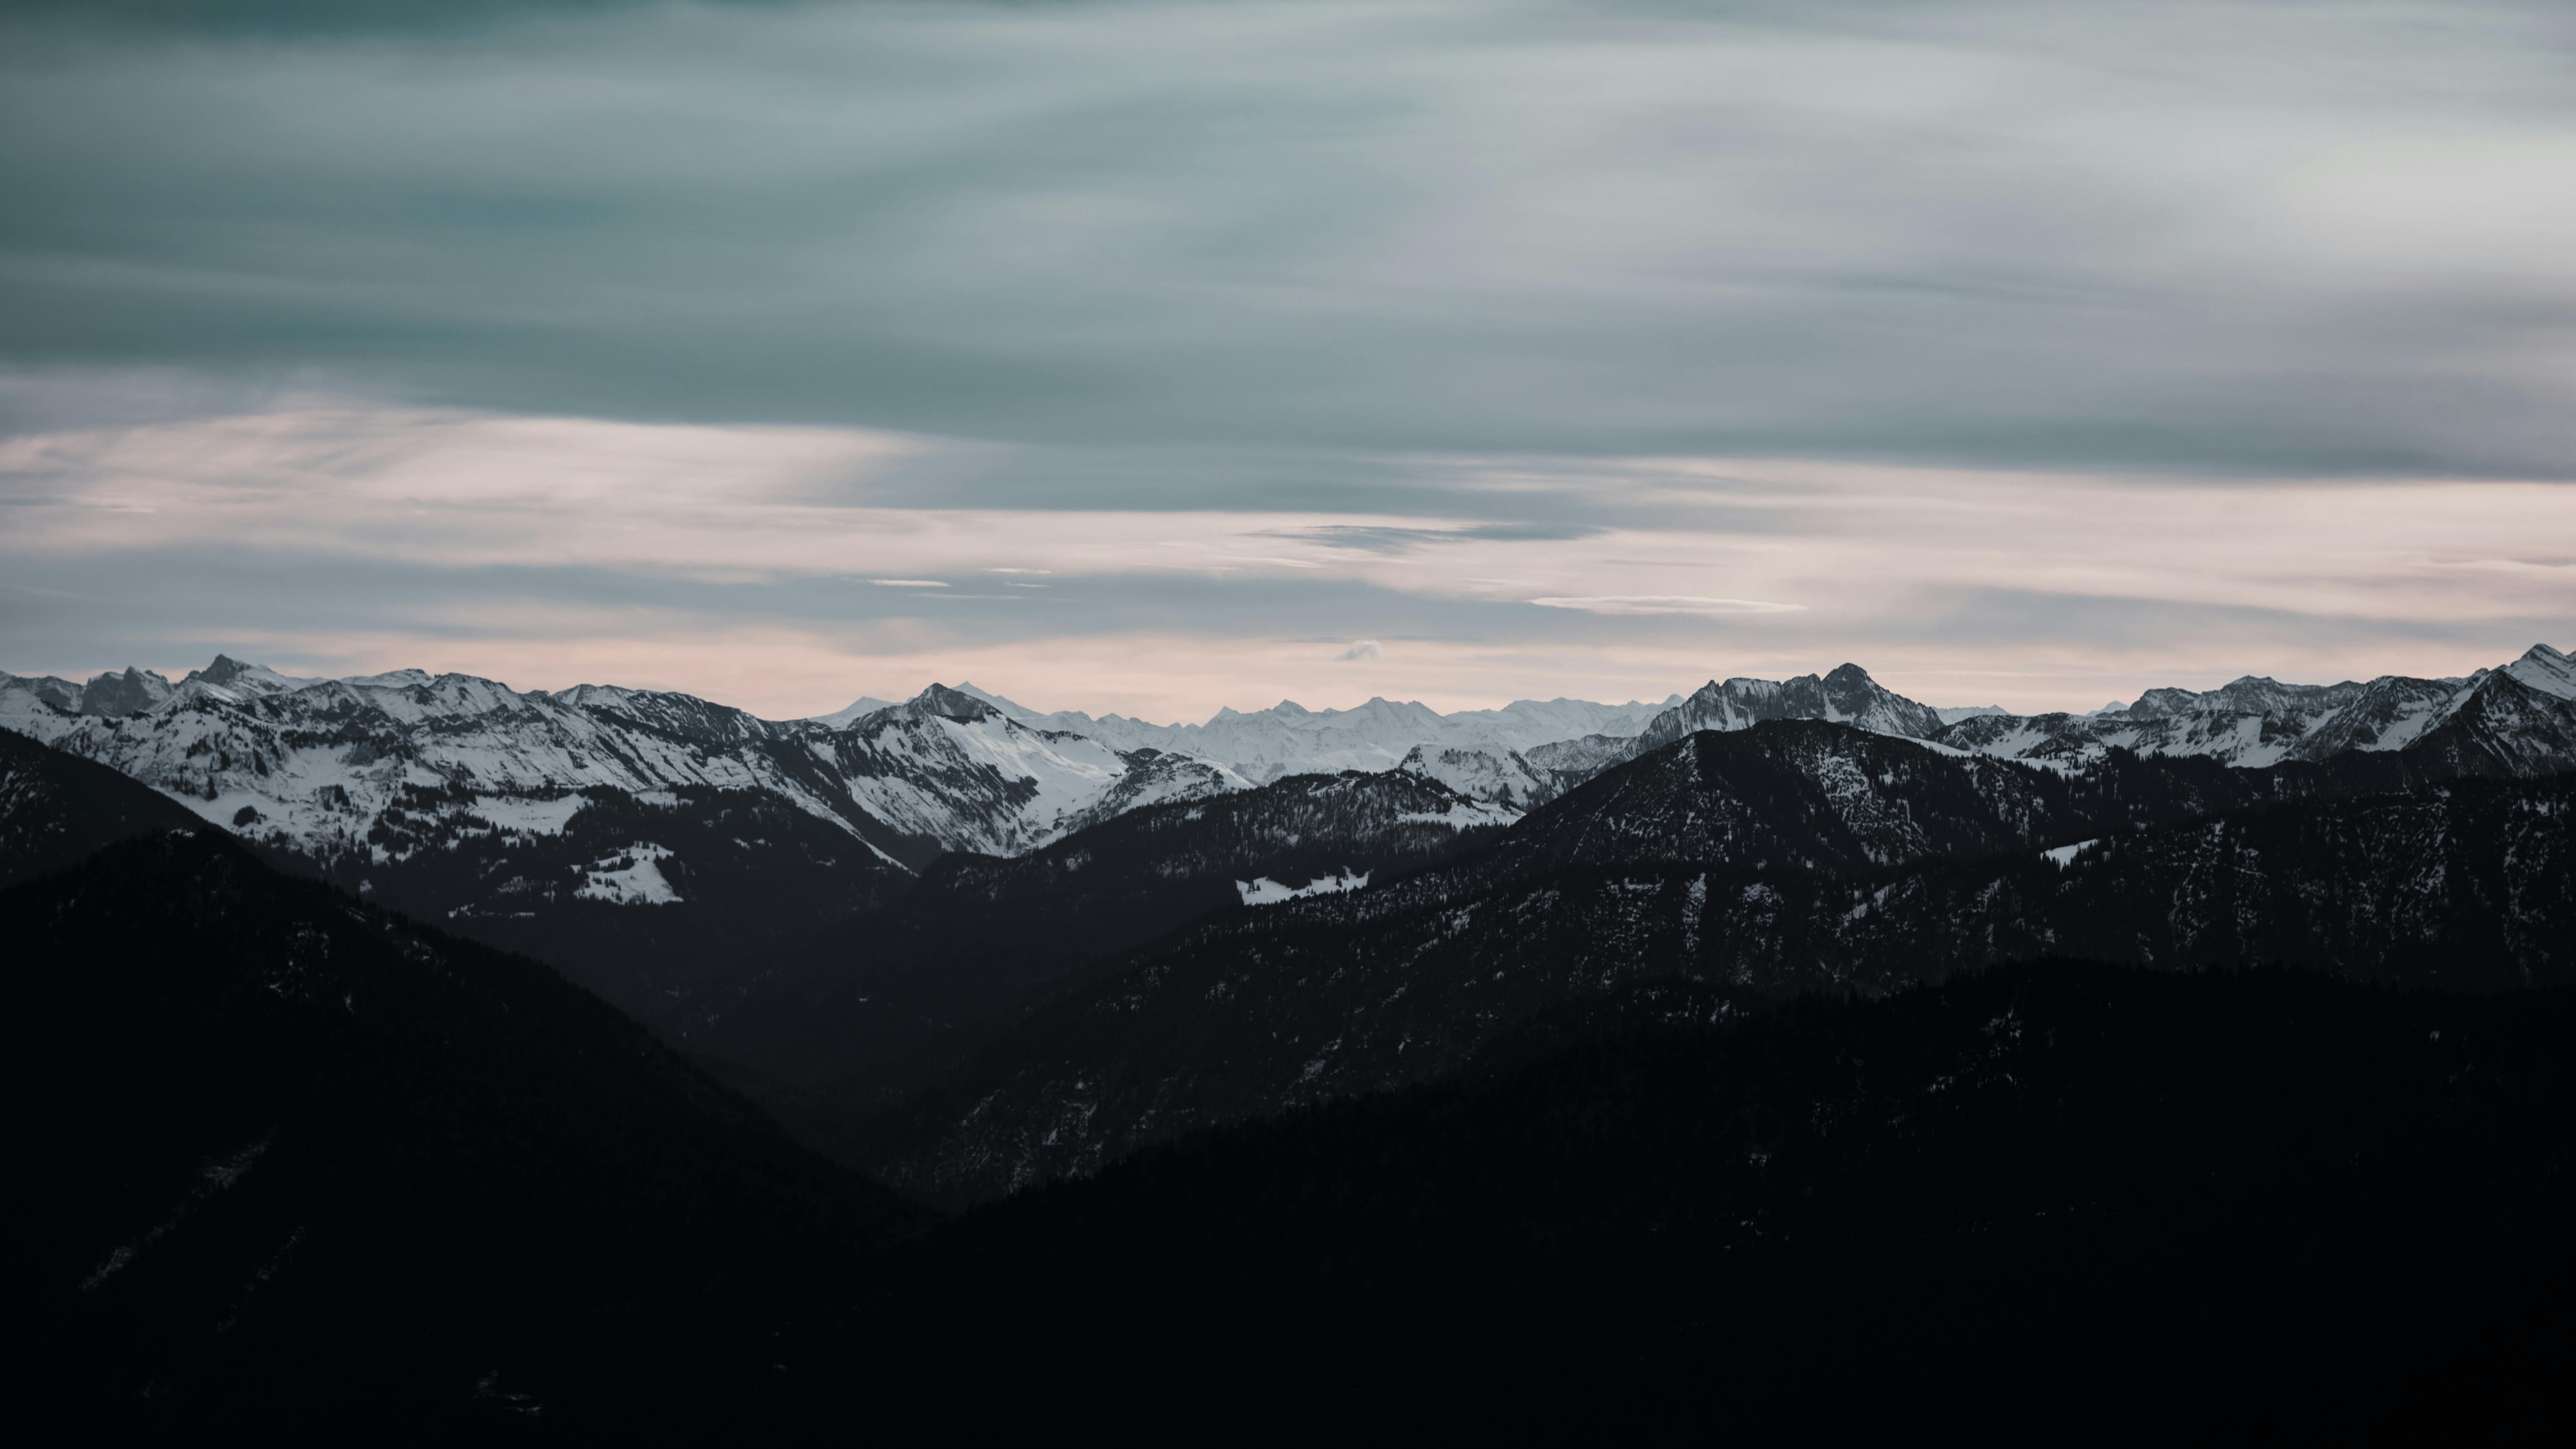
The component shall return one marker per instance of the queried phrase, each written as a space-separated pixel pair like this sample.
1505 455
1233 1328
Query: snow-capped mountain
2519 719
1764 862
315 765
1846 696
978 936
1290 739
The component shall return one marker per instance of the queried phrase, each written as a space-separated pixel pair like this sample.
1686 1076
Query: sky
1154 357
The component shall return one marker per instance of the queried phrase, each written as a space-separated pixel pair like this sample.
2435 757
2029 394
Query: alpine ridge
1016 972
1733 869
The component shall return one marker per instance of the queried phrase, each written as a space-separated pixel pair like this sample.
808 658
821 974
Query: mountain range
1201 1077
315 761
674 854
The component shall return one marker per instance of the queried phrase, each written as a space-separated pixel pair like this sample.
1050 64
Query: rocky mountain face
2517 720
2460 886
897 995
661 902
657 847
315 762
2223 1198
962 769
1846 696
675 854
1791 856
289 1137
57 810
1289 739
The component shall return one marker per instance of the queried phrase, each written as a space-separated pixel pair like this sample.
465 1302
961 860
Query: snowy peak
316 764
109 695
238 678
2546 670
1846 696
2519 719
941 702
2252 694
132 692
1505 779
1855 698
852 712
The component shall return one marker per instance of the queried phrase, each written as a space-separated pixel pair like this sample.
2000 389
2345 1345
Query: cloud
2074 348
1667 604
331 520
1382 538
1316 234
1364 649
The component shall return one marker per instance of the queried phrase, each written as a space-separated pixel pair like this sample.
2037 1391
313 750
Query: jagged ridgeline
854 905
1779 1028
1728 870
672 853
980 935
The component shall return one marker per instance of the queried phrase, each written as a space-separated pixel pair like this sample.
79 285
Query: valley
861 978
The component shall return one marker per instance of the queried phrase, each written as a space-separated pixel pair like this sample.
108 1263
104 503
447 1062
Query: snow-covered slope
314 765
1846 696
2512 719
2546 670
1290 739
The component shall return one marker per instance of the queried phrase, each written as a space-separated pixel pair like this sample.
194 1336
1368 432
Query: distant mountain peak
131 692
854 711
1848 695
954 704
2546 670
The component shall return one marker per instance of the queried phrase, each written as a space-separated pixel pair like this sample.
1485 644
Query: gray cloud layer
2255 238
1494 346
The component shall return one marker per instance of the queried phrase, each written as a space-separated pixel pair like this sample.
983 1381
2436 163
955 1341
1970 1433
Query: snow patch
1263 891
1465 815
2065 855
632 877
526 816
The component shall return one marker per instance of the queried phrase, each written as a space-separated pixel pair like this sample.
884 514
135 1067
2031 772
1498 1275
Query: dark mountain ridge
1758 864
305 1165
57 810
663 904
979 937
2053 1199
304 1162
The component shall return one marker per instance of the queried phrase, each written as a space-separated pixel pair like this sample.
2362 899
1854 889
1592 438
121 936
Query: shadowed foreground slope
292 1159
2099 1201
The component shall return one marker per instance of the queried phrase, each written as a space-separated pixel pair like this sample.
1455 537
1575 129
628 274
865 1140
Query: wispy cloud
2196 236
1574 347
333 521
1667 604
1363 649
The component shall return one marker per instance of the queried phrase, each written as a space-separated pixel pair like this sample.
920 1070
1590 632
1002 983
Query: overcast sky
1153 357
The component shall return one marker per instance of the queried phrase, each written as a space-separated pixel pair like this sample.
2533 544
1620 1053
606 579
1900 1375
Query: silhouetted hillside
57 810
2056 1200
980 936
293 1160
1239 1016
